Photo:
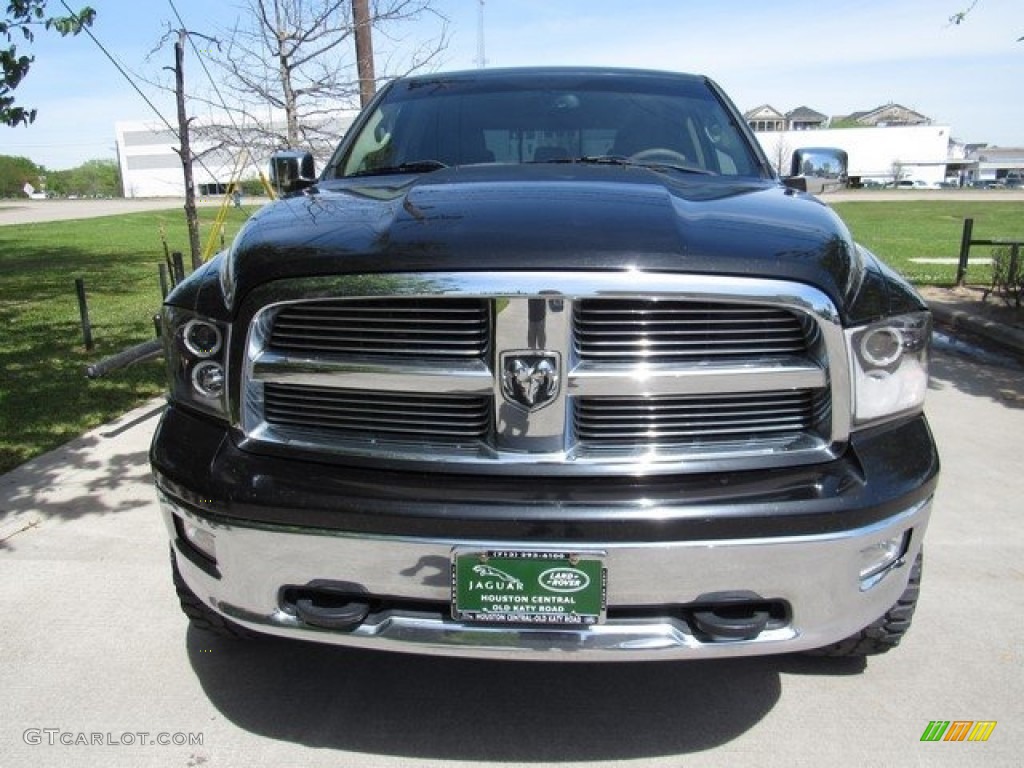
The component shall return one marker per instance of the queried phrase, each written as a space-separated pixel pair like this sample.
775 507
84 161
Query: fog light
877 558
208 379
201 539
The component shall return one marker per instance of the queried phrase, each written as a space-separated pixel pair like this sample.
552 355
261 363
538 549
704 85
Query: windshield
666 122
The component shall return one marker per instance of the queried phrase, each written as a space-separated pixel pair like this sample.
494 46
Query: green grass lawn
898 231
45 399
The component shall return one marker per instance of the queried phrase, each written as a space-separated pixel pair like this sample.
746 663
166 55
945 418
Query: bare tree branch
290 65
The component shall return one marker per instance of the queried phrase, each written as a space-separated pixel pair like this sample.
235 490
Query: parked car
917 184
548 364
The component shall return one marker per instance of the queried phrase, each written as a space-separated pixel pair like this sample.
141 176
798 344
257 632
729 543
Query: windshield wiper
625 161
589 159
675 167
604 160
417 166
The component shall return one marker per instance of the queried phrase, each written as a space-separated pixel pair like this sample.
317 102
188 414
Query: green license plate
502 586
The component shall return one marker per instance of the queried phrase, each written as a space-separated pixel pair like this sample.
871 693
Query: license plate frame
536 587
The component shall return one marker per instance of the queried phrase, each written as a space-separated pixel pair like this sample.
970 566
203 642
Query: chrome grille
666 331
603 422
673 373
439 418
413 328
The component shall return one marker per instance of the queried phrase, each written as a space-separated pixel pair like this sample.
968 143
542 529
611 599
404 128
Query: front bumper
793 538
816 576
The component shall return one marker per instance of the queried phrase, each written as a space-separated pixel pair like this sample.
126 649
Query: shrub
1008 275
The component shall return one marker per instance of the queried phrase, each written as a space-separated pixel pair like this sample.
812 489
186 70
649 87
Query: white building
151 167
998 165
917 153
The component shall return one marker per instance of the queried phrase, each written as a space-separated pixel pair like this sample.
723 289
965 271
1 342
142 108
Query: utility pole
481 59
364 51
185 153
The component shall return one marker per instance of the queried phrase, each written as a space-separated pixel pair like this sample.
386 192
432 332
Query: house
884 116
805 119
765 118
912 146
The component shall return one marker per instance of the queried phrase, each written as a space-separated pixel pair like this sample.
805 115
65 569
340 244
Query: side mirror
292 171
818 169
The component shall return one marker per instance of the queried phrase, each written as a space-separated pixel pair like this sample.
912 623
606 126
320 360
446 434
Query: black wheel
885 633
201 616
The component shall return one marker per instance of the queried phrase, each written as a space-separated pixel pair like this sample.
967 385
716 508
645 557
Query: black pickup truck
548 364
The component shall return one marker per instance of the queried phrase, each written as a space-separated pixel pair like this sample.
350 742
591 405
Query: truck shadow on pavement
441 708
976 372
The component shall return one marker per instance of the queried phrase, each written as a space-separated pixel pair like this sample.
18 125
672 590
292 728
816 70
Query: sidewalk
104 471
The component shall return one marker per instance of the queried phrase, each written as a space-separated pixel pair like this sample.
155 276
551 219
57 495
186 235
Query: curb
1005 336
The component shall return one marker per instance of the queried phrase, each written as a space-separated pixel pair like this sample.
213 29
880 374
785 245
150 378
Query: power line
139 91
124 74
481 58
220 97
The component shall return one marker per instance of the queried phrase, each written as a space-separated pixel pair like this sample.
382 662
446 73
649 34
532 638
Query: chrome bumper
817 576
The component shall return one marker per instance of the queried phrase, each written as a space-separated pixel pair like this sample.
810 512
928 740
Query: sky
834 56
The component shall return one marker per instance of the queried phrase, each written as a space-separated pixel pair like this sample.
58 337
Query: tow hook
331 605
731 616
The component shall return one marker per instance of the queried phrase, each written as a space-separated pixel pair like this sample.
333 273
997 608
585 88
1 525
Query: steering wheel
662 154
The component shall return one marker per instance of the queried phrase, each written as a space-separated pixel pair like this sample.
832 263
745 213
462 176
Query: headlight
202 338
196 360
889 361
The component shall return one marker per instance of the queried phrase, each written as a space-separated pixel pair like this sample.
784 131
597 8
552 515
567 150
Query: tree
15 173
185 151
93 178
897 172
297 57
781 155
23 18
959 17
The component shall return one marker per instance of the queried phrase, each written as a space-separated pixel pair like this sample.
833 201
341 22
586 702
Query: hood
557 217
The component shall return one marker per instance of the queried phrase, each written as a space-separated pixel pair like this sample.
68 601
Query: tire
201 616
885 633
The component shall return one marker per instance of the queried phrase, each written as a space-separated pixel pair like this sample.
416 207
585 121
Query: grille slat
414 416
382 345
647 330
602 421
396 328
